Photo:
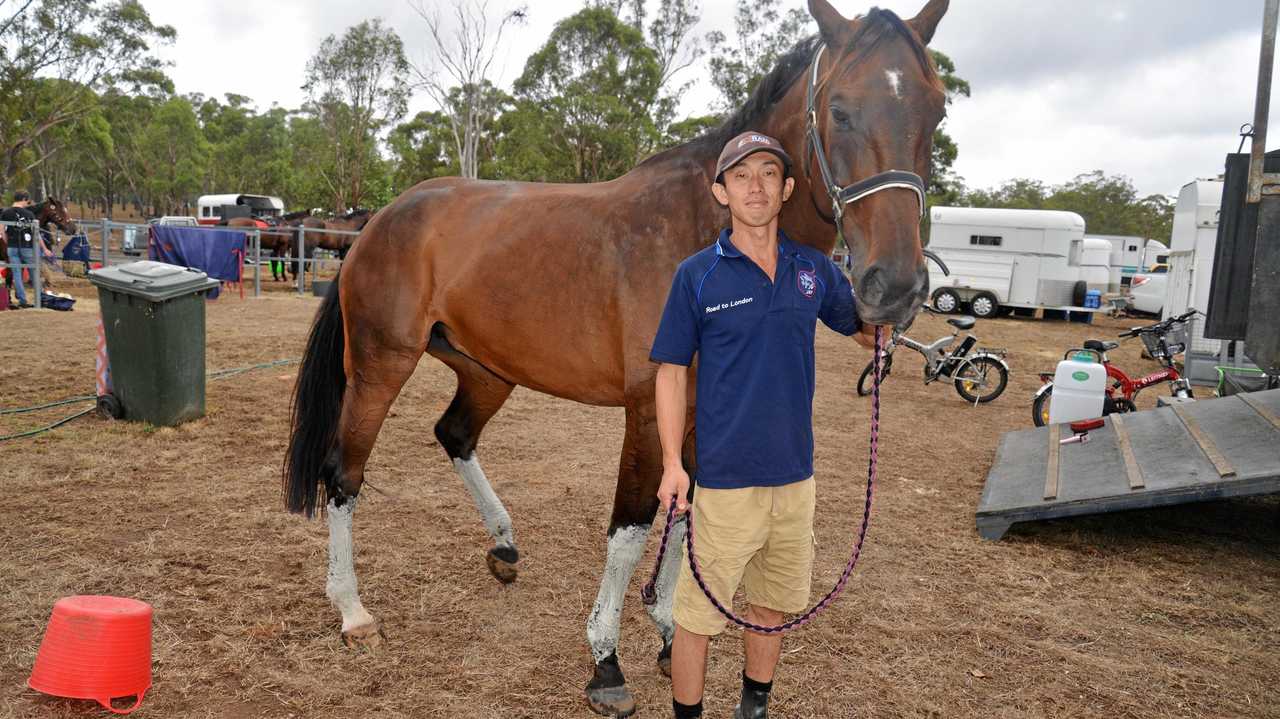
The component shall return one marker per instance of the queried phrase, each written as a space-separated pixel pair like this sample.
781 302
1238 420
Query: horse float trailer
1005 260
216 209
1126 258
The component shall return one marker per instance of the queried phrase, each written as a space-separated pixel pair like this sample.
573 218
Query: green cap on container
154 281
1085 357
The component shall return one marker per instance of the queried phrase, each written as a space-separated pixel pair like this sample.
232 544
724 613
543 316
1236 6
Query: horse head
873 102
52 210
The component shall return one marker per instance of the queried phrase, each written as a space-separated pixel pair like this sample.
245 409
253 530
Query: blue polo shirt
754 341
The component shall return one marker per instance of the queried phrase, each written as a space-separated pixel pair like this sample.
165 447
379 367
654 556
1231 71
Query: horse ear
831 24
926 22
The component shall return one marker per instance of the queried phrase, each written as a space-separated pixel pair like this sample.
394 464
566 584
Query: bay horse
277 244
52 212
559 288
353 221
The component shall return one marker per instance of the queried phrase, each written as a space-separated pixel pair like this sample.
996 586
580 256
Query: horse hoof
611 701
664 661
607 692
369 637
502 563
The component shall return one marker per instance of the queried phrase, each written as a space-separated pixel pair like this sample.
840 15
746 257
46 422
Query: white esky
1152 89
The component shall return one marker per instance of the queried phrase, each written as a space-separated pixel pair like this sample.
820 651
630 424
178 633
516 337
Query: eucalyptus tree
357 87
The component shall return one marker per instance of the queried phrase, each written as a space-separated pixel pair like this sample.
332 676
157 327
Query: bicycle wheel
864 382
981 379
1040 408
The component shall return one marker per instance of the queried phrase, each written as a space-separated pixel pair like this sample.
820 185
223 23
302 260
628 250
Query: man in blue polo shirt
747 306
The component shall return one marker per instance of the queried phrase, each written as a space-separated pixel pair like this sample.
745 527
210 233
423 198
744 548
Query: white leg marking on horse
665 587
341 585
895 81
495 516
626 546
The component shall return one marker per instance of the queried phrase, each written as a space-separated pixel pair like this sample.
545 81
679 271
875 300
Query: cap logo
761 139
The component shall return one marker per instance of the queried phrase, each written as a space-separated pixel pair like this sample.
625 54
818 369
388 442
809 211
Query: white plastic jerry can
1079 389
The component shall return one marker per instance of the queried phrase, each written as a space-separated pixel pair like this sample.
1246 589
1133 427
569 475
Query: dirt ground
1170 613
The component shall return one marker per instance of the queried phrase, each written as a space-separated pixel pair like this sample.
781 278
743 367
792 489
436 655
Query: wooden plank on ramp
1261 409
1210 449
1126 450
1051 468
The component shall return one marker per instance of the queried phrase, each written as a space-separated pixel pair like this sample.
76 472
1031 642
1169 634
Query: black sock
687 711
752 685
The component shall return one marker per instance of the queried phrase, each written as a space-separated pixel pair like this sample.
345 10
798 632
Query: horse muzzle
886 297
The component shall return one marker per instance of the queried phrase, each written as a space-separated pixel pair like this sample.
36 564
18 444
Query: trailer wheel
1078 291
946 300
984 305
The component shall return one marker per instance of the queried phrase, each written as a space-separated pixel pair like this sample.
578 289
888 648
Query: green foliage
583 102
763 33
688 129
77 44
1109 204
357 87
421 148
944 186
174 156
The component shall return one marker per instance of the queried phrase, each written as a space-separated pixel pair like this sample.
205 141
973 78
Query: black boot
755 699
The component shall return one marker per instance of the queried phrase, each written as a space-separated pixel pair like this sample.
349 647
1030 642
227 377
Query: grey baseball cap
749 143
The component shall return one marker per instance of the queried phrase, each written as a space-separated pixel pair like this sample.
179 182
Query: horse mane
874 27
296 215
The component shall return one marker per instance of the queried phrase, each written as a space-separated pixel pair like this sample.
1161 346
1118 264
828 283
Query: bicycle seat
1099 346
962 323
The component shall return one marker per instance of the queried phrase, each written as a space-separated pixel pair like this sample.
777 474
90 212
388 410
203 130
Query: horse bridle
841 196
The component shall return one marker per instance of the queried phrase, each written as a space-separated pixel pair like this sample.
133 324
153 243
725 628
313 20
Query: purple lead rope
649 596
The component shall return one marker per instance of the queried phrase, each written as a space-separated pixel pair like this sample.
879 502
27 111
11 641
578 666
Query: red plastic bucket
96 647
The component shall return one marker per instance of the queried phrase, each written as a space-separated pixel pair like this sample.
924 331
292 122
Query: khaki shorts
760 537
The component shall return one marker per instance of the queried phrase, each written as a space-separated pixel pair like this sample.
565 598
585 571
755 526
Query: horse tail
313 456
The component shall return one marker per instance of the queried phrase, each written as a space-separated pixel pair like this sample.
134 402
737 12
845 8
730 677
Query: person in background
21 240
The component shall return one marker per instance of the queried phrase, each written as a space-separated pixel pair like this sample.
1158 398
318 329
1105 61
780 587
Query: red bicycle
1163 341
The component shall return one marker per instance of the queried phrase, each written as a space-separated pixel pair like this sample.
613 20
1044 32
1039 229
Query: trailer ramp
1192 452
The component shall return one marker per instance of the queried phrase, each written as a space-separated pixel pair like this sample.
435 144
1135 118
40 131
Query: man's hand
675 483
866 336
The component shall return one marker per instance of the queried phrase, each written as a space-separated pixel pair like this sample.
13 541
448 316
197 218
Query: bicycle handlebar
1161 325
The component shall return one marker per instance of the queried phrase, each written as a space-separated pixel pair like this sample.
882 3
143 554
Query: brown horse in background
559 288
276 242
353 221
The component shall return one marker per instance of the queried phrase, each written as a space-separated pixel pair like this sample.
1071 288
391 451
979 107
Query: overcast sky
1152 89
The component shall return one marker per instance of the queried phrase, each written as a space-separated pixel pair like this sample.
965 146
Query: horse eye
840 116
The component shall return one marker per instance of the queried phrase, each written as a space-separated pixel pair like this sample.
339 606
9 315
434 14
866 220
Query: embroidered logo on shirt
807 283
726 305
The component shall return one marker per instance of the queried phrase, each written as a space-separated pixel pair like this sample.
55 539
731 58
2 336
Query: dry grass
1169 613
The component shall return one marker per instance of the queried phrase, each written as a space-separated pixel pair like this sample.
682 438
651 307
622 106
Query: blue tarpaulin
77 250
218 253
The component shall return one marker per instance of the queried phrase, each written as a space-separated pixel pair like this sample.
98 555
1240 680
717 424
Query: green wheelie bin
153 317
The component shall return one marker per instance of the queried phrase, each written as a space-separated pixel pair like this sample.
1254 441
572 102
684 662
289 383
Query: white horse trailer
1094 260
1008 259
1191 247
1157 253
1126 258
209 207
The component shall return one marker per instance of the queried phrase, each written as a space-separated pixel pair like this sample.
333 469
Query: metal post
302 256
106 240
37 246
257 263
1263 100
